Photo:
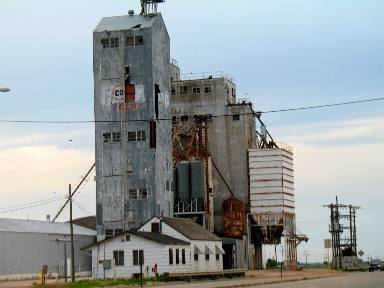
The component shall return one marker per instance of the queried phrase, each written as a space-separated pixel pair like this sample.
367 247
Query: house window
139 40
132 136
170 256
207 89
236 117
140 135
155 227
173 91
105 43
130 41
127 238
217 257
196 90
196 257
183 90
114 42
183 256
184 118
107 137
138 257
118 256
108 233
207 257
116 137
177 257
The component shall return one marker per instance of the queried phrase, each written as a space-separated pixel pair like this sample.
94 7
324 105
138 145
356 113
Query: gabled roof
126 22
156 237
42 227
190 229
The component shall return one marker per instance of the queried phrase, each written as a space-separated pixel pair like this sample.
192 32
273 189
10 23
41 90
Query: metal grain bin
197 183
184 181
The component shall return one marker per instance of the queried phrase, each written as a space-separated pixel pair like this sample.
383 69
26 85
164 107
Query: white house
119 256
206 248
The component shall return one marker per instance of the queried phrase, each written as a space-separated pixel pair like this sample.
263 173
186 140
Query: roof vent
131 12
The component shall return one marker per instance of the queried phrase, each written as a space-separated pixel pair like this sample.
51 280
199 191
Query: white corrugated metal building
27 245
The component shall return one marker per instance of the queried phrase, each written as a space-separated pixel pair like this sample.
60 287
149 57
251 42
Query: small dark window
196 257
132 136
152 142
130 41
107 137
129 167
177 257
236 117
173 90
138 257
118 231
139 40
209 117
140 135
233 92
196 90
217 257
155 227
143 194
207 89
183 256
118 256
116 137
184 118
157 98
105 43
108 233
127 237
174 120
132 193
207 257
183 90
167 185
114 42
170 256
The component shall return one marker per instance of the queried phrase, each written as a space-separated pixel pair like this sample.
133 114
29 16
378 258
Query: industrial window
105 43
207 257
196 257
140 135
118 256
184 118
183 90
196 90
114 42
155 227
138 194
233 92
129 167
217 257
174 120
170 256
108 233
130 41
207 89
118 231
177 257
138 257
107 137
116 137
236 117
182 256
139 40
173 90
132 136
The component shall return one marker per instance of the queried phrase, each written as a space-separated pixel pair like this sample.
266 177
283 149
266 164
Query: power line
31 205
170 119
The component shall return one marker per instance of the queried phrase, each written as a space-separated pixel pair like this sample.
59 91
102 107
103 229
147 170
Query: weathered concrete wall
128 165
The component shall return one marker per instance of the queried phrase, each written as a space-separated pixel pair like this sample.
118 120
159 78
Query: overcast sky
281 54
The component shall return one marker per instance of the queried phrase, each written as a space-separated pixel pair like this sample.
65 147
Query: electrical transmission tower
343 231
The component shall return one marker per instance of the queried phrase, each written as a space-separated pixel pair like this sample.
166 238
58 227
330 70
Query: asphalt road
352 280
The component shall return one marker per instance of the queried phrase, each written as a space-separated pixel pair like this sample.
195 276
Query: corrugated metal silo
184 181
197 182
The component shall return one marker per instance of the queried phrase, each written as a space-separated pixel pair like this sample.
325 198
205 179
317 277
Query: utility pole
306 254
71 226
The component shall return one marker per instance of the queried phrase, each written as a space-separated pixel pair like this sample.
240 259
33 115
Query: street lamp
4 89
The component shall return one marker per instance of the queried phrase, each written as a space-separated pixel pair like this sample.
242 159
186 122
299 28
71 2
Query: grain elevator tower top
149 7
